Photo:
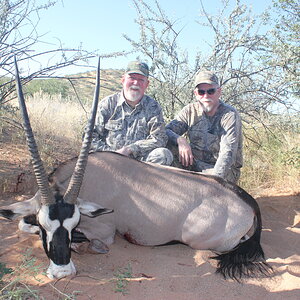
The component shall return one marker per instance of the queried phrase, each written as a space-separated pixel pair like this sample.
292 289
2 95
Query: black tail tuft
247 260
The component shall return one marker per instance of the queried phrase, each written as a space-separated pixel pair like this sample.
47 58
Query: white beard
207 107
133 94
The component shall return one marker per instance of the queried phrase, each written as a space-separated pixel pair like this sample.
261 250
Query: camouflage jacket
141 128
216 140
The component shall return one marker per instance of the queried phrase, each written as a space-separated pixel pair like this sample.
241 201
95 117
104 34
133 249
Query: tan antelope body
152 205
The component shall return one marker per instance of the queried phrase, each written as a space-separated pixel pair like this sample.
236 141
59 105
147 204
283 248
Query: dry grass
57 123
58 126
56 117
272 161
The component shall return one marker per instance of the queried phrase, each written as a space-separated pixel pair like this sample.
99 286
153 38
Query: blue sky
99 25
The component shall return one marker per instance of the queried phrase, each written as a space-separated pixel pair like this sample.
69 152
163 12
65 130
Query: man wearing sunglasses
206 135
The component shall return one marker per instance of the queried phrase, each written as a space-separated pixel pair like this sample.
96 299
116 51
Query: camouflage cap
206 77
138 68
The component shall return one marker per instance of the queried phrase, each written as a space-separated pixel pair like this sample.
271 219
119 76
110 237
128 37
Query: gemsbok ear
92 209
22 208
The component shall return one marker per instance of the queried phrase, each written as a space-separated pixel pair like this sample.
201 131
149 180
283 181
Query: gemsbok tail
247 260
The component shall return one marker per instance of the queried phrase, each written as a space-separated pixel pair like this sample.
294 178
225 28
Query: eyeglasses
209 92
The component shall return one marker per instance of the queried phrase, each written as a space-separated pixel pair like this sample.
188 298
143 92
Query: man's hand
185 152
125 151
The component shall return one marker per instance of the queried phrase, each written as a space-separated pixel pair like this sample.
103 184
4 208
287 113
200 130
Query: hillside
76 86
110 80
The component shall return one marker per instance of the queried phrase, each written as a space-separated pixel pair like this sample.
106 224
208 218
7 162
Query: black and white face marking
56 222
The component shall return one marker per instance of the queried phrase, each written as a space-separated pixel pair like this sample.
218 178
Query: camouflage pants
161 156
232 175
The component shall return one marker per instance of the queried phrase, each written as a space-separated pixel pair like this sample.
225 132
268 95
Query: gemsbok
147 204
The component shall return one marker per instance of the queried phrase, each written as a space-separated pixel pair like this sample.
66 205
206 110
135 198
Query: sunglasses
209 92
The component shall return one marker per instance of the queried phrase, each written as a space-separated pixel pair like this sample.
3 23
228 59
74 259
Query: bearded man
130 122
206 135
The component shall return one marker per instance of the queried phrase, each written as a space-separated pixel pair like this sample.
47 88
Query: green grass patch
121 278
13 281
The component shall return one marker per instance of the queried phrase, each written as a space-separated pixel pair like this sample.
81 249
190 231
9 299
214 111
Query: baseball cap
206 77
137 67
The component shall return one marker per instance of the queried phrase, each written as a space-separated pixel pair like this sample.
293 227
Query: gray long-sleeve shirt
215 140
141 128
